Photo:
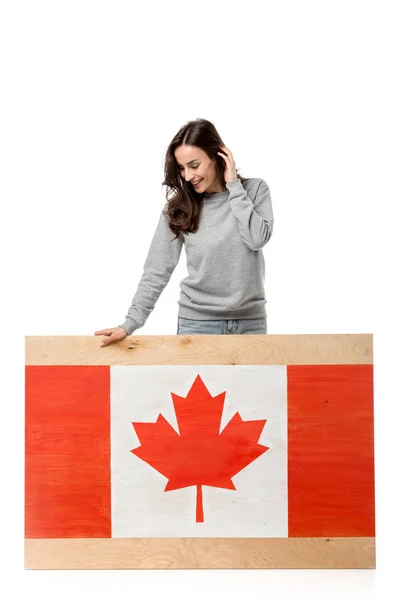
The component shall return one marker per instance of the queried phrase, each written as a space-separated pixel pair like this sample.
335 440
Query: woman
223 220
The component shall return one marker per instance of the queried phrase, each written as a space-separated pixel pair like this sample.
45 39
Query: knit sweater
225 261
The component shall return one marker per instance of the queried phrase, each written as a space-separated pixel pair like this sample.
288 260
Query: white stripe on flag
140 506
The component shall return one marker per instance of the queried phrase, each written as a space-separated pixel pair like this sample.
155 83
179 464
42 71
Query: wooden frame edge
201 349
201 553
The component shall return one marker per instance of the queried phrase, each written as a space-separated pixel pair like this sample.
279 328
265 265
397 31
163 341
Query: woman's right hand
112 335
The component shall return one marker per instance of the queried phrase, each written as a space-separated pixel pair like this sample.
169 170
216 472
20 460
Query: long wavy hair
184 204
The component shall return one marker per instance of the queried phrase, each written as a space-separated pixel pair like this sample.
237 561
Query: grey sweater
225 262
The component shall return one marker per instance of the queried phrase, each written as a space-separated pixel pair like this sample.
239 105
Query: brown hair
184 203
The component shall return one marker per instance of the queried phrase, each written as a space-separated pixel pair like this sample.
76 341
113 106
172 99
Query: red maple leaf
199 455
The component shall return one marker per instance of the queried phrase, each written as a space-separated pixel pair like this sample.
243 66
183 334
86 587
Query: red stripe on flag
67 452
330 450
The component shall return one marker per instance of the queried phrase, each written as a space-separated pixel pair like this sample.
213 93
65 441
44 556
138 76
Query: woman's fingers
112 335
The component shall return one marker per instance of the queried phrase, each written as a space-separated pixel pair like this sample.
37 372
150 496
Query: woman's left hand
230 167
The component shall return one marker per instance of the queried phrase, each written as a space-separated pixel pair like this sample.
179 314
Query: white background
305 95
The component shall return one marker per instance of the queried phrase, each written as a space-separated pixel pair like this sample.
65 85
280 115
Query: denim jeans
240 326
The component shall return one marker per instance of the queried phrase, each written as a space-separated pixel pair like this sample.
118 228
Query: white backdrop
305 95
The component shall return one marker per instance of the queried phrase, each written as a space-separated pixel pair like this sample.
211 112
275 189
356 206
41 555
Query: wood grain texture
147 462
297 351
202 350
67 452
197 553
331 450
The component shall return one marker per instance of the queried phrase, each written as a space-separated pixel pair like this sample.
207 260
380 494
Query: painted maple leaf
199 455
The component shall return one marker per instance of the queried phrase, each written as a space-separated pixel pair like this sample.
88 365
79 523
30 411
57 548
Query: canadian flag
199 451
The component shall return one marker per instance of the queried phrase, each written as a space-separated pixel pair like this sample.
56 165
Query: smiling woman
196 154
223 220
200 170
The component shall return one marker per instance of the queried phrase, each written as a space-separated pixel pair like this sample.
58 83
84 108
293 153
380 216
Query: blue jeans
196 327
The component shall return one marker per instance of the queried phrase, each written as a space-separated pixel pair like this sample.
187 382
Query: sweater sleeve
162 258
255 217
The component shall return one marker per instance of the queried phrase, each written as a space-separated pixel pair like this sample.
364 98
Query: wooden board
338 349
200 452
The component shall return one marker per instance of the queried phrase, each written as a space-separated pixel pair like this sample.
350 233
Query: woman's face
197 168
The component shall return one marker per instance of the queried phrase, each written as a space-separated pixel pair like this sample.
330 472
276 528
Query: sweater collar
216 195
